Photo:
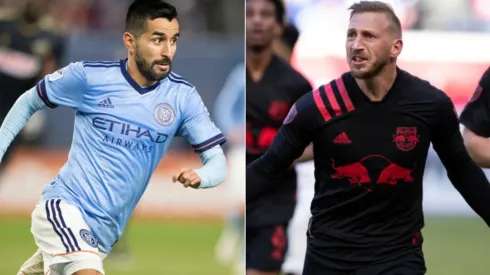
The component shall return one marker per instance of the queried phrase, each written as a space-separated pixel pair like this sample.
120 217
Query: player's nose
357 44
165 50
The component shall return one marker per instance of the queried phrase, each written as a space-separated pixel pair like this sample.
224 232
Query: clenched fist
188 178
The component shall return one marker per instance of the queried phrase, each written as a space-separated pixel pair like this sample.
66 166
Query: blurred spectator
30 47
196 16
454 15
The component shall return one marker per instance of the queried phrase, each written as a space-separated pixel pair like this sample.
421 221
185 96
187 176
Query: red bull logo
358 173
393 173
354 172
406 138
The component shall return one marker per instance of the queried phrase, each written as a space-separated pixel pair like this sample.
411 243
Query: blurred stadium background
175 229
445 42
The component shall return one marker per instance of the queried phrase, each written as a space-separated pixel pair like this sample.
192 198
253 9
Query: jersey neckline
132 82
388 95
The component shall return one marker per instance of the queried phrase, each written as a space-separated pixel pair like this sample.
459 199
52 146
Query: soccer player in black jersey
272 86
476 119
29 49
371 130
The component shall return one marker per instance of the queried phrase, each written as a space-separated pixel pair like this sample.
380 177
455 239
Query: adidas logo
342 138
106 103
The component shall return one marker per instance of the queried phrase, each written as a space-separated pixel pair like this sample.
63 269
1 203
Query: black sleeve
291 140
463 172
476 114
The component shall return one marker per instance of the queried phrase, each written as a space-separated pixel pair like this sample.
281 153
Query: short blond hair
381 7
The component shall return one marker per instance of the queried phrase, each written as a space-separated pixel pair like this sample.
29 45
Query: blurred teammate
371 130
476 120
127 113
29 49
272 87
284 46
230 117
294 259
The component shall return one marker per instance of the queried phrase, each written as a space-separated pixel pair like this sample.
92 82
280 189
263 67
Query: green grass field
452 247
161 247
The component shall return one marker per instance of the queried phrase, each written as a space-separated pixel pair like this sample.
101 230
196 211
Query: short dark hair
280 11
381 7
141 11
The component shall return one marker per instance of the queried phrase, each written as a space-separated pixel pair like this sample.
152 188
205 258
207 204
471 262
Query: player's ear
278 29
129 41
396 48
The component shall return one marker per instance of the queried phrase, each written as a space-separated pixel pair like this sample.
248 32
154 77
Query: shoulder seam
179 80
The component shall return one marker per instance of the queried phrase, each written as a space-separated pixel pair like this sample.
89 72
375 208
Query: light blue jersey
230 103
121 132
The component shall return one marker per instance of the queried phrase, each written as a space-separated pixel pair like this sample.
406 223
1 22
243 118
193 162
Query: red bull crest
406 138
358 173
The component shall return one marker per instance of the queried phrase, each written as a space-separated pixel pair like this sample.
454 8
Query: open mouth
358 60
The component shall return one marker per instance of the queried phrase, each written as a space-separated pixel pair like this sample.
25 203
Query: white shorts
65 242
298 226
236 176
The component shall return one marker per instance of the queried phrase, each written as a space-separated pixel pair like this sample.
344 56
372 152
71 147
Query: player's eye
157 40
174 40
368 35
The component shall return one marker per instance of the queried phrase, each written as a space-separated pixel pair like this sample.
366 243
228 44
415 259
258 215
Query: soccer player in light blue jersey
127 113
230 116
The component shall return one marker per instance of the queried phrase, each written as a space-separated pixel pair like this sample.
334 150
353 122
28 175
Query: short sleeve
64 87
197 126
476 114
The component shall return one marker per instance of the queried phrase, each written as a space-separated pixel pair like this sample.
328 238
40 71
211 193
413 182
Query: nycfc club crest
89 238
406 138
164 114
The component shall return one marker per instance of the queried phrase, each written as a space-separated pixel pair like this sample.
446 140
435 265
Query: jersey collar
130 80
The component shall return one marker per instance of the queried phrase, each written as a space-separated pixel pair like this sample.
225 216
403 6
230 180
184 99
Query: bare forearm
306 156
478 148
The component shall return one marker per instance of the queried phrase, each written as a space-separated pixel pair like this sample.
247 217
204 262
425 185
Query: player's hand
188 178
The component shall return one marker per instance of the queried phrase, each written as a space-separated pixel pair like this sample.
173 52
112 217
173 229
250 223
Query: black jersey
22 54
476 114
268 103
369 164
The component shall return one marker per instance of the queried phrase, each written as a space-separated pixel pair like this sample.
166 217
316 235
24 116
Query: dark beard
146 69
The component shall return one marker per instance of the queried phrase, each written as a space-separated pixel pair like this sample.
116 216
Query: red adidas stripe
320 105
344 94
332 100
